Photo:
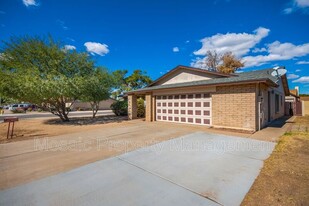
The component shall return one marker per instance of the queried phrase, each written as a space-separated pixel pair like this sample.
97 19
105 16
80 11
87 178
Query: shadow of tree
88 120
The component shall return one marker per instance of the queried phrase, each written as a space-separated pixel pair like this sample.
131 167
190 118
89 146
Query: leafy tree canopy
42 72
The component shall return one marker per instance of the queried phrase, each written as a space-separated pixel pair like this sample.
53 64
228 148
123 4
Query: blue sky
156 36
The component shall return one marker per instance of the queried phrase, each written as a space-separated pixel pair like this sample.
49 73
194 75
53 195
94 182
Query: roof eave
150 89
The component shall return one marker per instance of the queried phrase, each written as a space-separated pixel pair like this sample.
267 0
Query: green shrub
40 110
140 107
29 109
120 108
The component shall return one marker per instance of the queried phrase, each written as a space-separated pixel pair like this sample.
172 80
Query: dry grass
284 179
38 128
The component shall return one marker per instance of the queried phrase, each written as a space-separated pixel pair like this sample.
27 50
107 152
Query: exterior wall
235 107
280 91
306 103
132 107
185 76
268 113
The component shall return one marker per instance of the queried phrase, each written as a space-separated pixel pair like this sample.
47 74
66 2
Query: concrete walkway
197 169
275 130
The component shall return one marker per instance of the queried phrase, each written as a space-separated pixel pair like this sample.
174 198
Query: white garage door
184 108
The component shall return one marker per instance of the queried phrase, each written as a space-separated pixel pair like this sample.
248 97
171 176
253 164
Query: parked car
19 107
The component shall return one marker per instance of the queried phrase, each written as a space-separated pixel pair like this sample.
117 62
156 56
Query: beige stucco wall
235 107
306 107
182 75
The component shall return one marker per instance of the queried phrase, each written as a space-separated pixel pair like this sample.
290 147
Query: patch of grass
284 179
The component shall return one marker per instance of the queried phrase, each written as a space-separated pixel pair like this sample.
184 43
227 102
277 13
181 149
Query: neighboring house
293 103
79 105
305 100
245 101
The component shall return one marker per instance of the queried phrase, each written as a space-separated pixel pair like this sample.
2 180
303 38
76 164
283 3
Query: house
305 100
243 101
293 104
79 105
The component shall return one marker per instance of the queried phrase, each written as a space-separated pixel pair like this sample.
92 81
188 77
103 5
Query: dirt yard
284 179
37 128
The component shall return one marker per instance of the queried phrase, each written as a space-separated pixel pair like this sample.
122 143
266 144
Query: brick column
153 108
149 107
132 107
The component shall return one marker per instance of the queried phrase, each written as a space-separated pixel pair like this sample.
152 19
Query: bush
29 109
40 110
140 107
120 108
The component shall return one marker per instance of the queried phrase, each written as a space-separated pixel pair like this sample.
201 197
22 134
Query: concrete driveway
199 168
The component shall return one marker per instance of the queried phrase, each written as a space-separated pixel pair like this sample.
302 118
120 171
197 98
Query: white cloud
187 42
258 50
175 49
302 62
96 48
292 76
277 51
288 10
302 3
62 24
30 3
297 5
238 43
69 47
242 43
297 70
304 79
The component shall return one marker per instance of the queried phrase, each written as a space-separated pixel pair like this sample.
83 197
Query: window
277 103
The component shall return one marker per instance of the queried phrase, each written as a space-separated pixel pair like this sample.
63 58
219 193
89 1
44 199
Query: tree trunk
95 108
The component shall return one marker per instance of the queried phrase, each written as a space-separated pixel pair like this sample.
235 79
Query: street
29 115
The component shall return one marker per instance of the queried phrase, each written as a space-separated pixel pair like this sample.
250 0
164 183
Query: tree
230 63
41 72
226 63
96 88
212 60
137 80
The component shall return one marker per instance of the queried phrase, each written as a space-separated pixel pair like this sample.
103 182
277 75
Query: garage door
184 108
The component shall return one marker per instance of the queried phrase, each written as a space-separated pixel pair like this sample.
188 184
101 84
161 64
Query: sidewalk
275 130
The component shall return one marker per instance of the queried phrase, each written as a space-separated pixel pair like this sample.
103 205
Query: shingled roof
239 78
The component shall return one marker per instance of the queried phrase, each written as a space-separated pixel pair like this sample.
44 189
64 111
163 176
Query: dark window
176 104
190 96
170 97
277 103
176 96
183 96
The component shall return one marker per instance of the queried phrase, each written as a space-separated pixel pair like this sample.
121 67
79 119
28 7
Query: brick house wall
235 107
